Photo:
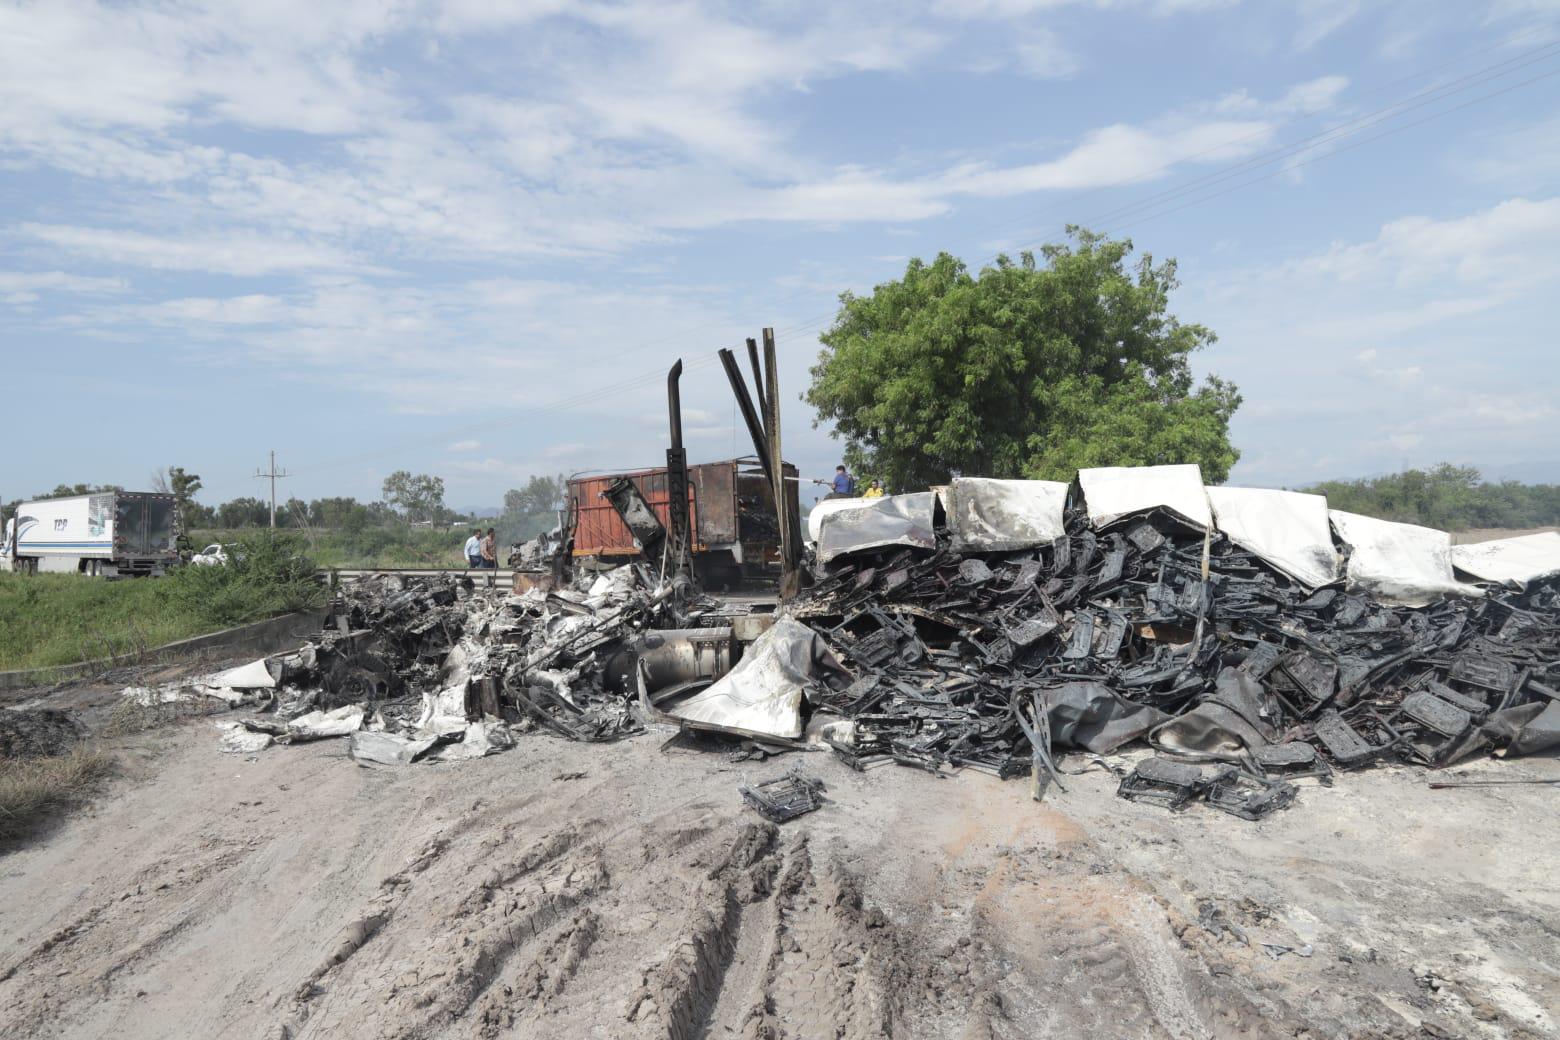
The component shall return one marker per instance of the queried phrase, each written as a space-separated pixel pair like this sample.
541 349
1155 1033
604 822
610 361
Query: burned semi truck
734 531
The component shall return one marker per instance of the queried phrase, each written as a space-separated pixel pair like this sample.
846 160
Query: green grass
52 620
369 547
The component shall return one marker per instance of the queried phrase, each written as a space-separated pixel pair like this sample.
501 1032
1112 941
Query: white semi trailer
110 534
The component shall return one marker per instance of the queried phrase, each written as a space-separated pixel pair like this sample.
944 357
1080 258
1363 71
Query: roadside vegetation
1447 497
35 789
387 545
54 620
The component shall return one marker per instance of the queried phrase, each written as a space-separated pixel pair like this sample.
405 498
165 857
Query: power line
1349 147
1141 210
1287 151
1232 142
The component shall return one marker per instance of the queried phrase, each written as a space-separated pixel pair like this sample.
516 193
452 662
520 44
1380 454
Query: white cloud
25 287
465 446
1319 19
1422 343
237 254
1507 248
1042 54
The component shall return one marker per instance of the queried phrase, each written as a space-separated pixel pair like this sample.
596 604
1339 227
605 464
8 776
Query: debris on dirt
238 739
785 797
37 732
1129 612
1253 638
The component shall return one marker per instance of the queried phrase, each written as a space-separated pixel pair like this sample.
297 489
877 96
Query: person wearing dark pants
490 555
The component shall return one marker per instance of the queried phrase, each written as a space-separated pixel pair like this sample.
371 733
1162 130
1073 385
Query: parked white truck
111 534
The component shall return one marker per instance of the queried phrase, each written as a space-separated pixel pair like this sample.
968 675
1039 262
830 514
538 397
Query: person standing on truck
875 491
490 554
474 549
844 484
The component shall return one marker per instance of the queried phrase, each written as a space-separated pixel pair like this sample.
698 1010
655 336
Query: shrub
266 574
34 789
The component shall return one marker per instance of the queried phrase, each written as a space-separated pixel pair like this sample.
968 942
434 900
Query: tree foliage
244 512
1448 497
1025 370
532 509
418 496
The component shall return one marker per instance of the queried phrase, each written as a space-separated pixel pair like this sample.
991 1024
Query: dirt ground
566 890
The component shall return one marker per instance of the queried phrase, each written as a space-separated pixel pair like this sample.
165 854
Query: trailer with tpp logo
109 534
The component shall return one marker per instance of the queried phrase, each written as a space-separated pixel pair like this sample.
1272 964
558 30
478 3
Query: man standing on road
490 554
474 549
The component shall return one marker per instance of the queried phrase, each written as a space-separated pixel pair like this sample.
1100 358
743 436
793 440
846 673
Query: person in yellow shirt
875 491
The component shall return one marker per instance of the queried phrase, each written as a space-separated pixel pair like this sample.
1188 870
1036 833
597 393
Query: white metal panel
823 508
1115 492
1288 529
987 515
1398 563
877 523
762 695
64 527
1511 561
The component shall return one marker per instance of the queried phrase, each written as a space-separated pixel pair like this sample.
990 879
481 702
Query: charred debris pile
1250 639
1239 675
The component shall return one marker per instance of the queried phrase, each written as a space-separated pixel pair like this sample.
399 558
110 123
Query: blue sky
469 238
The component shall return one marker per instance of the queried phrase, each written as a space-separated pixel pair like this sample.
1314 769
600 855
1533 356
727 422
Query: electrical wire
1146 212
1140 211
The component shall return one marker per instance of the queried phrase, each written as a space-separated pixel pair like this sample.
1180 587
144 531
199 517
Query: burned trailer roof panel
987 515
1287 529
1511 561
878 523
1113 493
1398 563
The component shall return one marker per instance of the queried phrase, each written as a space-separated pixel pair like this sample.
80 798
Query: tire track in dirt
85 957
475 928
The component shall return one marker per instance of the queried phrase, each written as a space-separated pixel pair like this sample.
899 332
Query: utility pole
273 473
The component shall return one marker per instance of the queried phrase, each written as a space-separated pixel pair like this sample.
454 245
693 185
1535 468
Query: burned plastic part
1175 785
1250 797
1476 707
1436 714
1291 759
1487 673
1344 743
785 797
973 571
1301 763
1260 659
1316 679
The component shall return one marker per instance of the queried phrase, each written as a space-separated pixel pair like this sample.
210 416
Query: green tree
243 512
418 497
1026 370
340 513
532 509
183 485
67 490
175 481
1446 496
